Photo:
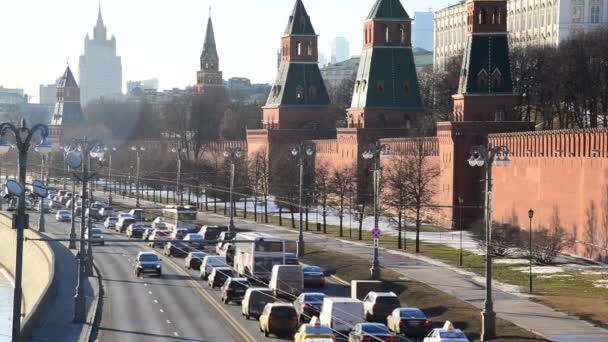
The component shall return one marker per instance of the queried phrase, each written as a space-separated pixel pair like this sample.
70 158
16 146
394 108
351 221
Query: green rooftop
388 9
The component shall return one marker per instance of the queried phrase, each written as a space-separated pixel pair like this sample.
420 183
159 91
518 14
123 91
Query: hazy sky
164 38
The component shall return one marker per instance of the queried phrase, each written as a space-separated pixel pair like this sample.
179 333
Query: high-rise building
100 67
48 94
546 22
210 78
422 30
144 85
340 50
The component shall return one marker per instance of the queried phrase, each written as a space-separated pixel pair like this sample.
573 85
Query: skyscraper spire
99 32
99 16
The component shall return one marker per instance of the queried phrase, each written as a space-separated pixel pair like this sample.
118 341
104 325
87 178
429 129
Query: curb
90 330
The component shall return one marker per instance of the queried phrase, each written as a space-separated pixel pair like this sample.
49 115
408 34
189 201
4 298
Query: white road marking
168 322
149 292
155 301
176 334
145 284
161 310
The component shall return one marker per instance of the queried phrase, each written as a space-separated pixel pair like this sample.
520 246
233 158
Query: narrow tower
298 98
386 93
209 78
68 111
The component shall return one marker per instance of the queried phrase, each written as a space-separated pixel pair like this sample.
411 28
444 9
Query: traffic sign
376 233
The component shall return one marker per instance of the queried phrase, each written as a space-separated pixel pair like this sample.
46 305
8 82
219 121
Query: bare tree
342 185
396 179
322 190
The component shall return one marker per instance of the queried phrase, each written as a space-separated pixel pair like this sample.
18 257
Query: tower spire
210 75
99 16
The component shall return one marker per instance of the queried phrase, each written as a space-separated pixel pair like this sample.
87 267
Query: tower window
364 85
380 86
309 49
406 87
387 34
482 16
357 85
496 79
312 92
495 16
366 35
299 92
402 33
482 79
299 48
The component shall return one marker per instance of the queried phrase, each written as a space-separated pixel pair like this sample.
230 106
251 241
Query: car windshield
374 329
311 269
314 298
148 257
216 262
452 334
241 284
64 212
199 255
387 300
194 237
161 233
411 313
283 311
96 231
318 330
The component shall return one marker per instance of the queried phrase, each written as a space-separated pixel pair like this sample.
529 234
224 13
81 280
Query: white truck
287 281
341 313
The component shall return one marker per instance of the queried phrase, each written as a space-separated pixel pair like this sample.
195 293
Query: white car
97 236
63 216
110 222
124 215
446 334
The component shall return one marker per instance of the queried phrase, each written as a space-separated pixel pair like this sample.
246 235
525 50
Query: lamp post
530 216
178 152
76 153
460 203
231 154
108 151
373 153
44 151
486 156
23 137
302 151
137 151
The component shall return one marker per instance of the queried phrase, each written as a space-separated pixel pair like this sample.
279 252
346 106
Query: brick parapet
409 146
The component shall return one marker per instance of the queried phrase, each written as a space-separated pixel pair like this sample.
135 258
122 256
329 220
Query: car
378 305
233 290
255 300
178 234
146 234
63 216
124 215
367 332
107 212
96 234
62 193
148 262
308 305
46 204
138 214
158 220
110 222
211 233
176 249
314 331
446 334
218 276
286 281
160 225
313 276
194 240
408 321
194 260
94 213
227 252
336 307
291 259
279 319
56 205
209 263
123 223
135 230
156 236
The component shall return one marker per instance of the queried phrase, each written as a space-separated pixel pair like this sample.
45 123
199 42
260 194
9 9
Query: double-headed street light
23 138
137 151
302 151
373 153
232 154
178 150
44 149
482 156
530 216
109 151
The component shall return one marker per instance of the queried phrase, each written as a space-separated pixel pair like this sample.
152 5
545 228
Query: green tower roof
299 21
209 48
486 67
388 9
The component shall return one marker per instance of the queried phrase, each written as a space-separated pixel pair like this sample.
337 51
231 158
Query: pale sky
164 38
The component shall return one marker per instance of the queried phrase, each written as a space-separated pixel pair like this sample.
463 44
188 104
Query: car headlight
157 266
101 236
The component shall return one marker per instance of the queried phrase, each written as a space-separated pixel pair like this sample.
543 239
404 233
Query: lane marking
161 310
176 334
149 292
168 322
155 301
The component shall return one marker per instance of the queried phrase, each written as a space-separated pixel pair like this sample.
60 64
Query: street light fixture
530 216
487 156
109 151
231 154
137 151
178 152
302 151
373 153
23 137
44 148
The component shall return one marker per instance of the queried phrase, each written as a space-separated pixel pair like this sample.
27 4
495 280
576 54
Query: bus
256 253
181 217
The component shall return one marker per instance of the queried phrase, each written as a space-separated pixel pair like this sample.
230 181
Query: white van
287 281
341 313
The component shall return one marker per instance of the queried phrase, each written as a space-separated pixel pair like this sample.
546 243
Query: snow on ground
511 261
541 269
601 284
555 276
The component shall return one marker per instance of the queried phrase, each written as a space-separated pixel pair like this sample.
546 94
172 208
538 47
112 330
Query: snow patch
511 261
540 269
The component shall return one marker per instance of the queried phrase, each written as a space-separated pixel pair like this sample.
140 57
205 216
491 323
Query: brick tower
485 104
209 78
68 111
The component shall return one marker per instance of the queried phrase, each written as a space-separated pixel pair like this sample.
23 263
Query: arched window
482 79
312 92
364 85
299 48
402 33
496 79
357 85
387 34
299 92
366 39
481 16
406 87
309 49
495 16
383 121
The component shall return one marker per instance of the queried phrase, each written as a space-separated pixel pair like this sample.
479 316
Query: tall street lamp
302 151
486 156
232 154
23 137
530 216
373 153
78 151
460 203
44 151
72 243
109 151
137 151
178 152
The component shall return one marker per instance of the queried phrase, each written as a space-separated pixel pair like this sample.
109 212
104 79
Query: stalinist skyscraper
100 67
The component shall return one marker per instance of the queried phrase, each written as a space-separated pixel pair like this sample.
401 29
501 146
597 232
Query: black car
308 304
234 289
313 276
370 332
147 262
409 321
136 230
176 249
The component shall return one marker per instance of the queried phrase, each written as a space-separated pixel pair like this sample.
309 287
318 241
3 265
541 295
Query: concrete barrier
38 272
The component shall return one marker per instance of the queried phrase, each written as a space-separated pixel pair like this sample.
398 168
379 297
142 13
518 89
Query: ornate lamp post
373 153
108 151
44 150
137 151
460 203
487 156
302 151
23 137
232 154
178 152
530 216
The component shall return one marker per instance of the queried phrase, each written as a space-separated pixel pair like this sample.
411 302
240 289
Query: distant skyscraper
322 60
340 50
48 94
422 30
100 67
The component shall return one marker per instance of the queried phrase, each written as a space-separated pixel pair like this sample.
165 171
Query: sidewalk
515 308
